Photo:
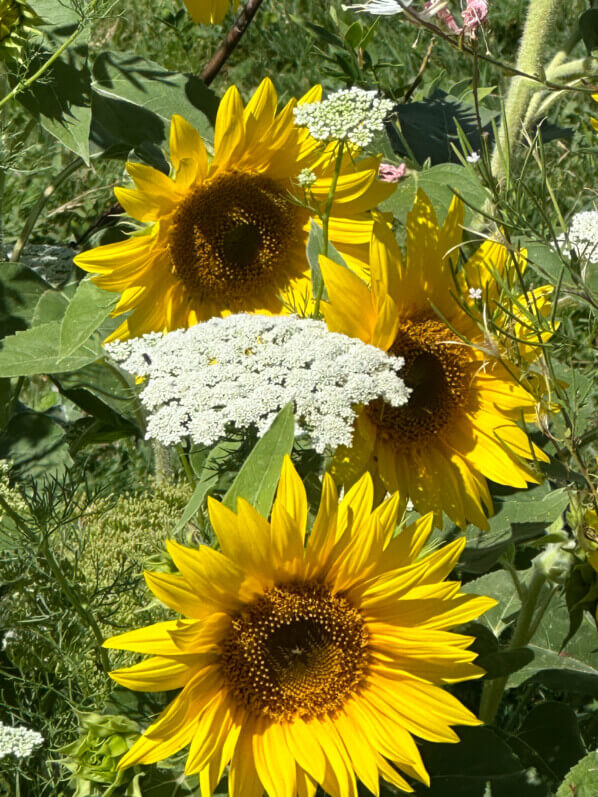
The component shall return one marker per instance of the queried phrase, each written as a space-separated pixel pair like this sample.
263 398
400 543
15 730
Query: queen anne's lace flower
306 178
583 235
241 370
19 741
380 7
351 115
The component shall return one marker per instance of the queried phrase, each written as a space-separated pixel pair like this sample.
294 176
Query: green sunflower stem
3 93
326 218
543 16
527 623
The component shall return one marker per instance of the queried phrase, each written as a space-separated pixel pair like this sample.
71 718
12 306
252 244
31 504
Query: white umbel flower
353 115
583 235
18 741
379 7
241 370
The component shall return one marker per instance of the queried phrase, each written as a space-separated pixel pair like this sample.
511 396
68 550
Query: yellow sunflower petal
154 675
351 307
229 132
187 145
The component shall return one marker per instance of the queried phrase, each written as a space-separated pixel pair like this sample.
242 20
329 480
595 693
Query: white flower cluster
241 370
306 178
353 115
380 7
583 235
18 741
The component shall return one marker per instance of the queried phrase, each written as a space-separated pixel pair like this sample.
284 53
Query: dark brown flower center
231 239
438 371
299 651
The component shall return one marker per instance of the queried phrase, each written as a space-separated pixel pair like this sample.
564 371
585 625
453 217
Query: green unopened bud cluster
93 757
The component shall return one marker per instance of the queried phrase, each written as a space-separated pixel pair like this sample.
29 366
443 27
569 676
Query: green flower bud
17 21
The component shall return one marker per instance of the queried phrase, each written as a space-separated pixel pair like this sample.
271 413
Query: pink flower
474 15
390 173
443 14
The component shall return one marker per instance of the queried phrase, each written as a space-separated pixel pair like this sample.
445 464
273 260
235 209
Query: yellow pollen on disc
298 651
438 369
232 237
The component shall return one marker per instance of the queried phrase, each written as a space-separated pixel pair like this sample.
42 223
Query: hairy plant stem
540 24
526 624
162 470
39 206
326 219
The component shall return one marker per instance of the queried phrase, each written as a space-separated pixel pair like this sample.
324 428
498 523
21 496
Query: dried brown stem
233 37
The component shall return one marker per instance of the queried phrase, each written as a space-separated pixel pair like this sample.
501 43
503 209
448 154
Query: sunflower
305 664
229 235
459 427
208 12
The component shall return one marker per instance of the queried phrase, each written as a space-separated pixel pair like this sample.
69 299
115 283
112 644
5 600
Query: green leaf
208 479
588 27
257 480
429 128
62 99
20 291
550 739
50 307
498 585
35 444
35 351
572 668
134 100
482 764
439 183
518 518
582 779
53 263
88 308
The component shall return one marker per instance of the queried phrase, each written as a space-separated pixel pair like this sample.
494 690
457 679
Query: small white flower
583 236
473 158
241 370
410 506
475 294
7 637
306 178
380 7
353 115
18 741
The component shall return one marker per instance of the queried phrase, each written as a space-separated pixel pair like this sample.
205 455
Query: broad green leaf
35 351
35 444
572 668
440 183
498 585
20 291
518 518
208 479
88 308
582 779
134 100
551 731
481 765
62 100
257 480
50 307
588 26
